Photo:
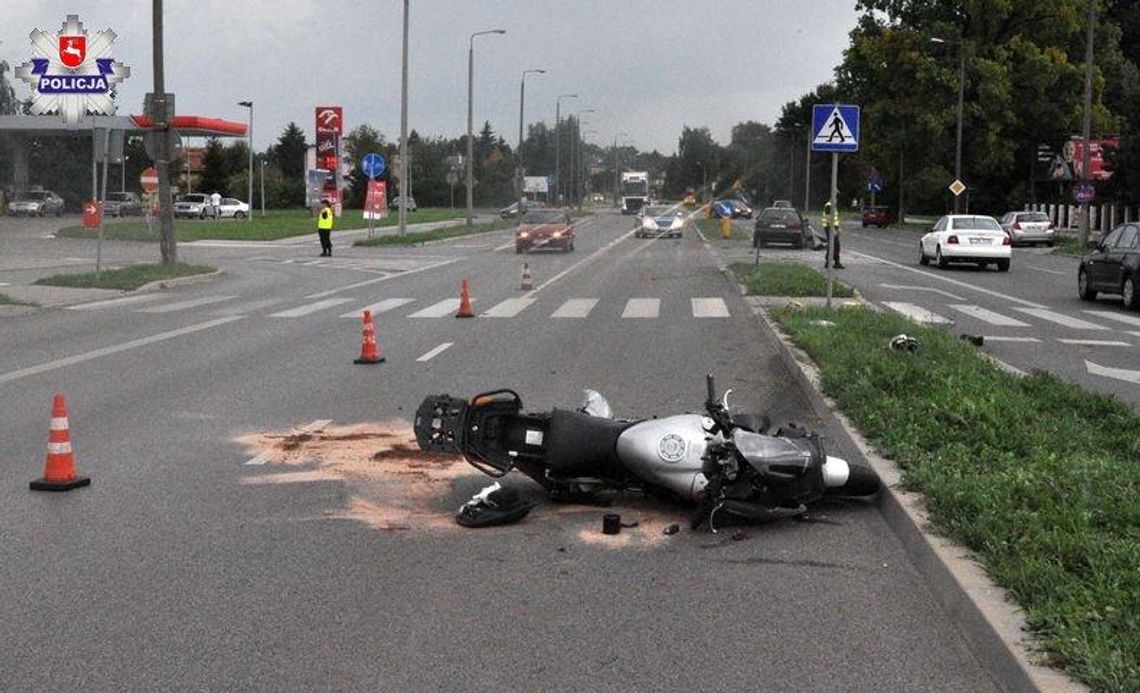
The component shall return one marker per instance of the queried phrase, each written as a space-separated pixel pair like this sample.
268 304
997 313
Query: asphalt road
1030 318
185 567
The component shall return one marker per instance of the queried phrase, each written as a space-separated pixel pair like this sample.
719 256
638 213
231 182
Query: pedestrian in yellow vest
325 227
831 224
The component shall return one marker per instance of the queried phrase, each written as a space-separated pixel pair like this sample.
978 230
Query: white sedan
233 208
966 238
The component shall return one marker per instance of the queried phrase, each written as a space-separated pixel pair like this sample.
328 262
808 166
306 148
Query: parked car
656 221
544 228
966 238
1113 266
36 202
782 225
231 207
1028 227
879 215
193 206
122 204
394 203
731 209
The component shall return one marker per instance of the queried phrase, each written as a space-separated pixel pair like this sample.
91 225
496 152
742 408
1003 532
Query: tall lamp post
586 187
575 154
558 145
261 159
470 116
617 172
961 93
249 105
518 154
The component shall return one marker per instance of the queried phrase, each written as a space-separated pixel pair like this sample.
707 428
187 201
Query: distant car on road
193 206
782 225
879 215
544 228
731 209
1113 266
690 200
394 203
1028 227
783 204
232 207
122 204
966 238
36 202
657 221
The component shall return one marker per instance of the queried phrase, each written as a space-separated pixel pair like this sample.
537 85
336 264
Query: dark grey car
1113 267
782 225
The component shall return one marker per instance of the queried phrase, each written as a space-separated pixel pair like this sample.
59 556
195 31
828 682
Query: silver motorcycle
728 465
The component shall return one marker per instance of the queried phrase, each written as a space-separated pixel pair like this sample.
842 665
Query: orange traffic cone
59 470
465 310
369 352
527 280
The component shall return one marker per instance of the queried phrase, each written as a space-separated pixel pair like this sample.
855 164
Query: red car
544 228
879 216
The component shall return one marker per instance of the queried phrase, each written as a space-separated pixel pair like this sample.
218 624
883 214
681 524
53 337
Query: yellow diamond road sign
957 187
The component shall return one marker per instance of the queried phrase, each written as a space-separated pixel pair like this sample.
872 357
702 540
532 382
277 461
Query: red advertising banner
330 120
376 201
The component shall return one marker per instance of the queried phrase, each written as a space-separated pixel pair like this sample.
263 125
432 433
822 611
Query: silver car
194 205
1028 227
36 202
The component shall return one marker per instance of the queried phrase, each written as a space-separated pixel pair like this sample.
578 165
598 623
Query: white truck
634 191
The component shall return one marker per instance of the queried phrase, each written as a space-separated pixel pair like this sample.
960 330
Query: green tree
216 172
288 155
360 141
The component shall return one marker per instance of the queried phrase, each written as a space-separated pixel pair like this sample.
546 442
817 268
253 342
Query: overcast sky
647 67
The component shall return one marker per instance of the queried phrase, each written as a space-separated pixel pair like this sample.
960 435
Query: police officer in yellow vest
830 223
324 228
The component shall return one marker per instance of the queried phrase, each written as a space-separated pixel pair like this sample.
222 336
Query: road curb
178 281
993 627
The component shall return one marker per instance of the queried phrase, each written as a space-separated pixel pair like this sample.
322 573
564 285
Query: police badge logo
71 72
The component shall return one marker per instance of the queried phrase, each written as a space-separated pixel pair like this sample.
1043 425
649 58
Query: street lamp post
961 97
518 154
558 145
585 170
249 105
262 160
470 116
402 208
576 155
617 172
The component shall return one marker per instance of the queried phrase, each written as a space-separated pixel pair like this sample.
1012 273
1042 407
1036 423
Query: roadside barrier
527 280
465 310
59 468
369 351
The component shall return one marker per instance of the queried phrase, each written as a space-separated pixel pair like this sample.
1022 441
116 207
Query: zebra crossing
1084 322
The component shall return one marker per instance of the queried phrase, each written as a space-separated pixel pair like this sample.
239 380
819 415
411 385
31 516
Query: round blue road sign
373 165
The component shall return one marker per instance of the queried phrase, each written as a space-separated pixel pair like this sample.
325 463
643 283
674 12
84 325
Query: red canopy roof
199 125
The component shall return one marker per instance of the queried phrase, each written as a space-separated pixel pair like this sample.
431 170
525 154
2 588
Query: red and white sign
148 179
330 120
92 214
376 201
72 50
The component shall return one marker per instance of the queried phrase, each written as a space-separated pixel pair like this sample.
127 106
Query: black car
782 225
1113 267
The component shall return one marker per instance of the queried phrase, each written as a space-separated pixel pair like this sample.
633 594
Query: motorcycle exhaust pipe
844 479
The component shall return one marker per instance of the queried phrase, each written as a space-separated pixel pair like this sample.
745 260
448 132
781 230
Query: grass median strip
1038 477
6 300
786 279
416 237
126 278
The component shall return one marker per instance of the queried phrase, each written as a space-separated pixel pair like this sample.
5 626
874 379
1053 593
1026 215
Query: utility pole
402 207
558 146
470 122
1086 124
167 245
807 172
518 155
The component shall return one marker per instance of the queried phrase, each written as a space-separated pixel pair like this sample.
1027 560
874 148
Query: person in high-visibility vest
325 227
831 224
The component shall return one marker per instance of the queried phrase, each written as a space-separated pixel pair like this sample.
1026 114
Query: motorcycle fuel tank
667 452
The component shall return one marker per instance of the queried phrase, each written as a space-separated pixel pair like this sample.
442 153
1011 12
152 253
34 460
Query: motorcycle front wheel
861 481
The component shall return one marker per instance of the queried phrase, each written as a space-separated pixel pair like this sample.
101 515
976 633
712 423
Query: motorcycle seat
579 445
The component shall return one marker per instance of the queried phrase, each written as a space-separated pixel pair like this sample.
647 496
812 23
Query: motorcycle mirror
724 403
594 404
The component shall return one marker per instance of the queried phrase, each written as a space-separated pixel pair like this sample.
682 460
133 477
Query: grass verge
6 300
127 278
278 223
416 237
1039 478
786 279
1070 245
710 230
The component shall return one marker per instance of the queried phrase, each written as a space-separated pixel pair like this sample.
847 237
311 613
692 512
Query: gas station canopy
194 126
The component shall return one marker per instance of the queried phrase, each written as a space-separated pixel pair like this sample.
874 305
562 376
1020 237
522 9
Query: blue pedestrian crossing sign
836 128
373 165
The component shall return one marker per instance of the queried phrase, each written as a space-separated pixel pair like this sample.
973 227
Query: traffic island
128 278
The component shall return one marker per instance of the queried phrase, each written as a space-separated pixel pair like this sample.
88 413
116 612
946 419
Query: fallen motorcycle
727 464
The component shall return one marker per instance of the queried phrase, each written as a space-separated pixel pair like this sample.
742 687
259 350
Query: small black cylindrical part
611 523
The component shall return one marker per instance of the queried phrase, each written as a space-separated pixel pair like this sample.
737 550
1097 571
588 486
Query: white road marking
709 308
947 294
642 308
916 313
509 308
369 282
381 307
107 351
4 284
1042 269
988 315
1117 373
1093 342
473 247
438 310
575 308
1061 319
1035 340
248 307
309 428
116 302
183 305
310 308
932 275
1119 317
435 352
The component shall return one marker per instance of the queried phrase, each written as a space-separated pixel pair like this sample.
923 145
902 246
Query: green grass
1070 245
278 223
127 278
416 237
786 279
1039 478
6 300
710 229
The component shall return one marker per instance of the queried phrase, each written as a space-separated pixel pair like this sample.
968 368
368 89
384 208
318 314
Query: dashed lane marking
709 308
988 315
575 308
509 308
1027 340
116 302
435 352
916 313
380 307
1118 317
183 305
308 428
249 307
1094 342
642 308
1061 319
310 308
438 310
